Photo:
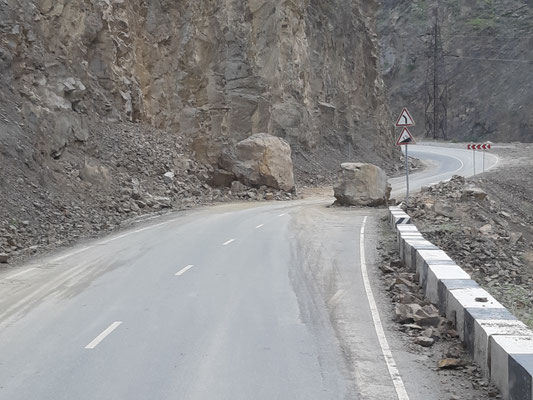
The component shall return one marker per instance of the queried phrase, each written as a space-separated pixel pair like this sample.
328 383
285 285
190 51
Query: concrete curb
499 343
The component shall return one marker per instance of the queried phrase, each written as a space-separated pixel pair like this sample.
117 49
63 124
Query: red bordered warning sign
405 138
405 119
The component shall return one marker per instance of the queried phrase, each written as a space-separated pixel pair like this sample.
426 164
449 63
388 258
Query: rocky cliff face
489 48
216 71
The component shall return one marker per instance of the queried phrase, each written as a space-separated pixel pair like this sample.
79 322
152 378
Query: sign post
474 155
404 121
474 147
483 159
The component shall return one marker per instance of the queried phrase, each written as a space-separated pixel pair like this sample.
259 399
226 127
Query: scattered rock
451 363
486 229
95 173
4 258
441 208
427 316
168 177
221 178
424 341
237 187
475 192
515 237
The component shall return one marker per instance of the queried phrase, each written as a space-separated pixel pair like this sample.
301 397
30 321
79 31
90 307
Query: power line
490 59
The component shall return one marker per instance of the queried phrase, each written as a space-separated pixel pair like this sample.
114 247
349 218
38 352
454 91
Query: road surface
241 301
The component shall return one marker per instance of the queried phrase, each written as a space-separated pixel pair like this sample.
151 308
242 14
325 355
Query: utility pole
436 85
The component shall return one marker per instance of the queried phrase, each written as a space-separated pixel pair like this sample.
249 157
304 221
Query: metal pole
474 155
483 160
407 175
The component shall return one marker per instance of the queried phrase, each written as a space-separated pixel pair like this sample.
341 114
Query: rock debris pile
485 227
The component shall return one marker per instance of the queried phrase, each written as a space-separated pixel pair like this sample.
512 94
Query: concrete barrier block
425 258
408 246
511 365
438 273
460 299
392 211
400 218
406 230
447 285
483 323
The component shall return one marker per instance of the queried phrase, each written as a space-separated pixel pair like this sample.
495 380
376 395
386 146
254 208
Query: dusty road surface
243 301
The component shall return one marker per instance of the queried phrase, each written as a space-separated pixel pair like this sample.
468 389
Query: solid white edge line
385 349
181 272
259 226
103 335
228 242
19 273
71 254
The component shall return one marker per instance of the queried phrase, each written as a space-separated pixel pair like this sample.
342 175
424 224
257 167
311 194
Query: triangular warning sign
405 119
405 138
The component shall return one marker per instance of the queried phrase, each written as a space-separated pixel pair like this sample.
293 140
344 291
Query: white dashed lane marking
188 267
103 335
228 242
259 226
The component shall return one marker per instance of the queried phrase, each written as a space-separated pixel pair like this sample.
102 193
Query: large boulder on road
361 185
261 160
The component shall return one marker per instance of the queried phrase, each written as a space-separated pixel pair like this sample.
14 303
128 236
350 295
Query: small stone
427 316
486 229
386 269
481 299
413 326
237 187
450 363
514 237
168 177
424 341
475 192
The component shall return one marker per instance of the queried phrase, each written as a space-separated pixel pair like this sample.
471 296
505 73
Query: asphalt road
242 301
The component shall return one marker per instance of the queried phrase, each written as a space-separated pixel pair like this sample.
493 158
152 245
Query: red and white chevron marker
478 146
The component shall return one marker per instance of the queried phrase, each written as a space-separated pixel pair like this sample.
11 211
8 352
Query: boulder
4 258
361 184
260 160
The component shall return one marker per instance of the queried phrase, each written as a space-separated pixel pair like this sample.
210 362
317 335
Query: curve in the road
442 163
